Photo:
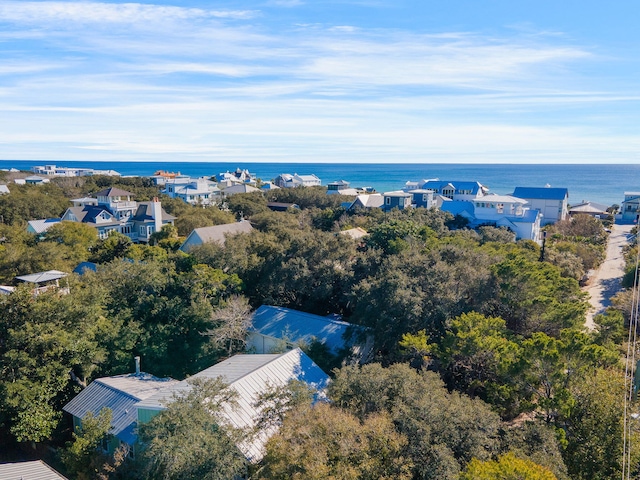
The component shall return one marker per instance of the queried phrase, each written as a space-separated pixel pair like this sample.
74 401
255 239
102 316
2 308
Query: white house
4 189
286 180
198 191
454 190
500 211
552 203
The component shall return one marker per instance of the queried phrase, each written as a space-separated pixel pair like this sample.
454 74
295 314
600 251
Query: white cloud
150 81
95 12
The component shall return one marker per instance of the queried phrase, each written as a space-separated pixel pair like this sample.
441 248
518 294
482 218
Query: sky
372 81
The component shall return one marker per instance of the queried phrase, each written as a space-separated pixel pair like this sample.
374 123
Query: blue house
421 198
397 199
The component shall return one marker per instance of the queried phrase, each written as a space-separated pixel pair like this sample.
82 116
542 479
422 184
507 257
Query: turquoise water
598 183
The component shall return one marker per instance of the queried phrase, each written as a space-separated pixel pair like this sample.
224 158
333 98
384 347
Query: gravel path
606 281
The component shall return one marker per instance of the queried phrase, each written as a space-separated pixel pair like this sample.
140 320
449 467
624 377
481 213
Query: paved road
606 281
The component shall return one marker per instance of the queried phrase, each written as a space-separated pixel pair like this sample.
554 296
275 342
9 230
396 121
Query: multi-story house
116 211
630 209
286 180
552 203
198 191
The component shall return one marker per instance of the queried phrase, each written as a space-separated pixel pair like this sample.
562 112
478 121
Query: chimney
137 359
156 214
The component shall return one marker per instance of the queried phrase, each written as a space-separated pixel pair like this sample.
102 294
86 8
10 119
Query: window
500 207
143 229
387 200
126 229
424 197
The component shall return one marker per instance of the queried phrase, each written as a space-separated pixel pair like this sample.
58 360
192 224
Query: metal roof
40 226
42 277
120 394
397 193
458 207
250 375
35 470
494 197
277 322
541 193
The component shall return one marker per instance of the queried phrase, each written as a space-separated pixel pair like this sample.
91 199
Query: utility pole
544 241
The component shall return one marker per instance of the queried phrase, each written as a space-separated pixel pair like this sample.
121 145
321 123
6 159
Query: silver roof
120 394
42 225
250 375
41 277
36 470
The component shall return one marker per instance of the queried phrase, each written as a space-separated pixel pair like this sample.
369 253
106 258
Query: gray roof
120 394
35 470
299 326
589 207
250 375
244 188
113 192
143 213
217 234
42 277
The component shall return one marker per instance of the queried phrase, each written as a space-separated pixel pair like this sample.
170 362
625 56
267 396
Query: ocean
604 184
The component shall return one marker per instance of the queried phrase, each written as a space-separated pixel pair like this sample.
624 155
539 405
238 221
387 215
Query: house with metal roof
396 199
44 281
121 394
276 327
250 375
34 470
374 200
38 227
215 234
421 198
552 203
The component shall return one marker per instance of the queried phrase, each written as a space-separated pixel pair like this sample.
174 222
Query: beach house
552 203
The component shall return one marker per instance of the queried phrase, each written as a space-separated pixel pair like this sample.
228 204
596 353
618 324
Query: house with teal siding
250 375
120 394
136 398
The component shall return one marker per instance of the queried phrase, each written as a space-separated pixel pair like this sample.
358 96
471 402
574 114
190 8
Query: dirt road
606 282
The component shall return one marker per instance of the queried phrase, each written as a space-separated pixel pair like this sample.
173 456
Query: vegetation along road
607 279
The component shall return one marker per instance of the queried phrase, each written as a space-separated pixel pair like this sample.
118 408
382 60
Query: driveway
606 281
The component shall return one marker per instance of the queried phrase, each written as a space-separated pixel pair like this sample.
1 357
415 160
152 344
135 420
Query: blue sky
473 81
